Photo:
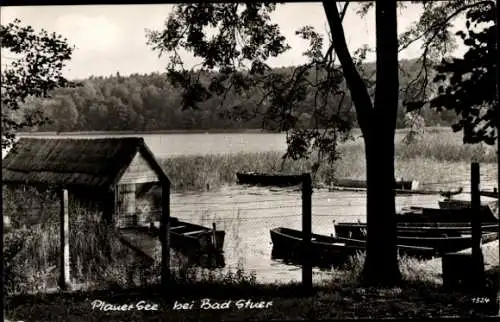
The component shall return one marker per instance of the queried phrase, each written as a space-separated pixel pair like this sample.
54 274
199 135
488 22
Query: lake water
248 213
168 145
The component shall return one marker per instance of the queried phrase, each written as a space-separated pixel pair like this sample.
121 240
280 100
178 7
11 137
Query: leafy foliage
416 124
474 73
233 43
34 74
244 39
433 29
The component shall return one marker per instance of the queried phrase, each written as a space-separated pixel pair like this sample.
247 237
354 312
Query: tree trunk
378 127
381 263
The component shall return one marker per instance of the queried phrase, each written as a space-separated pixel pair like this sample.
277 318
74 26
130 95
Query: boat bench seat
195 232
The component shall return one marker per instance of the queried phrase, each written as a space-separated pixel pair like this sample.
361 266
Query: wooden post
64 279
110 217
165 237
306 231
477 254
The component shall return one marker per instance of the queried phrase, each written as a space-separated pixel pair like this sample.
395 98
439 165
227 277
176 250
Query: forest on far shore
150 103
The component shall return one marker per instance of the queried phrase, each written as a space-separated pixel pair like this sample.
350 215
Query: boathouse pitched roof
75 162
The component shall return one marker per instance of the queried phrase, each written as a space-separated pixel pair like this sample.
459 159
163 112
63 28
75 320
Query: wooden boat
352 183
194 241
268 179
325 250
416 192
436 229
431 215
459 204
487 206
440 245
407 250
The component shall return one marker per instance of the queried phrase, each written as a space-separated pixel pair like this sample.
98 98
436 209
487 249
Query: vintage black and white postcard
234 161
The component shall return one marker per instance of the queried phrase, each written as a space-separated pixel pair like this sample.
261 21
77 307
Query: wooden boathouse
107 174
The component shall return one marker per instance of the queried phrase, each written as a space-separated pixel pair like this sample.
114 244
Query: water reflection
247 214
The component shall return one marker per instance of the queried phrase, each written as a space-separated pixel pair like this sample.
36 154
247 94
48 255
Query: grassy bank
338 297
437 157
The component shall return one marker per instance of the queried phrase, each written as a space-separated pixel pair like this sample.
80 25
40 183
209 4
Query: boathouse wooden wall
134 207
139 171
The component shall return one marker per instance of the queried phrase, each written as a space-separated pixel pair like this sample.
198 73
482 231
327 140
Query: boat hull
358 230
198 243
361 184
326 251
486 207
450 215
439 243
268 179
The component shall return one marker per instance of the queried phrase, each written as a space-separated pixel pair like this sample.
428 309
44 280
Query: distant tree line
150 103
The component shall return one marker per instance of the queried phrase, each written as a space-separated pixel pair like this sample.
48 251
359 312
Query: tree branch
360 96
442 23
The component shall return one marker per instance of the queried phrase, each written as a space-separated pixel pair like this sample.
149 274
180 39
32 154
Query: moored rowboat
440 244
268 179
358 230
353 183
326 250
488 204
194 241
457 215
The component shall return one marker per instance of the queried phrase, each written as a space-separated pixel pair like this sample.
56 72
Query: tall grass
32 250
32 246
412 270
436 156
212 171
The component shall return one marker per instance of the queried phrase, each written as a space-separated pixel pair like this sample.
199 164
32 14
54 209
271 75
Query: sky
111 38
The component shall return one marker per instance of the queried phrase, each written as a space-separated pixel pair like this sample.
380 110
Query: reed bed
32 245
436 156
31 251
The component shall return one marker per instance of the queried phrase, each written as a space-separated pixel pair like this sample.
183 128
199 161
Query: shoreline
130 132
355 131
